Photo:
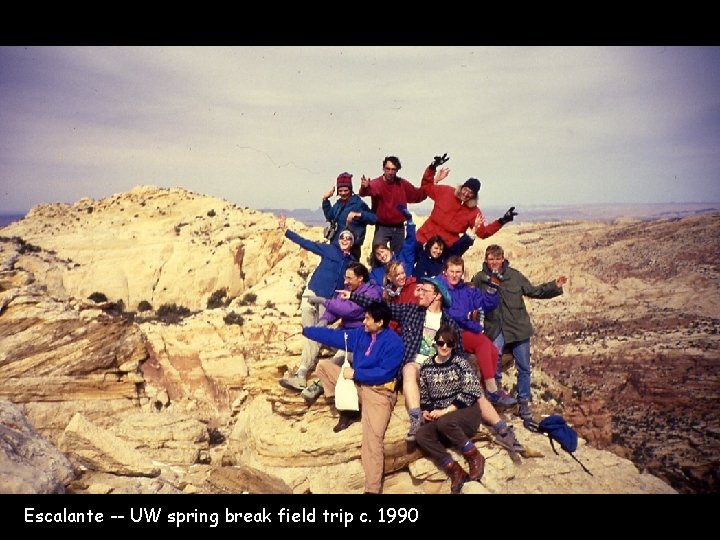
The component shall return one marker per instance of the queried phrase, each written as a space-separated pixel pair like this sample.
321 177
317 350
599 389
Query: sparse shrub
303 273
211 213
233 318
218 299
172 313
98 297
248 298
144 305
269 305
546 395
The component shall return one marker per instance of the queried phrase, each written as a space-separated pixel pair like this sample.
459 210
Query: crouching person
377 354
449 390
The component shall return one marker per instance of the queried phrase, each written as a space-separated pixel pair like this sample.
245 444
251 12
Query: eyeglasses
345 237
441 343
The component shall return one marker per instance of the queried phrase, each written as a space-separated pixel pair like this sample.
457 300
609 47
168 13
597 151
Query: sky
272 127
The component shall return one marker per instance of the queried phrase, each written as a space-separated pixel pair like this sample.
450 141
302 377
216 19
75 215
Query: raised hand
439 160
509 216
330 193
441 174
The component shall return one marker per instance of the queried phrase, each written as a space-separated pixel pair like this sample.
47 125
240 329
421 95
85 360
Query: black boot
347 418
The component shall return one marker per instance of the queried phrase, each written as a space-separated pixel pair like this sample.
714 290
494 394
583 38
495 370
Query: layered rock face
170 384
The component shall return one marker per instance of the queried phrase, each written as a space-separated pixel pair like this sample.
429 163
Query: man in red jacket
387 192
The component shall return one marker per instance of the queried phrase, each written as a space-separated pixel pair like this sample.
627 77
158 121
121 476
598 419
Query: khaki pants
377 404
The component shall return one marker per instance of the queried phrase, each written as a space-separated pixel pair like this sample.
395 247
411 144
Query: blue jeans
521 355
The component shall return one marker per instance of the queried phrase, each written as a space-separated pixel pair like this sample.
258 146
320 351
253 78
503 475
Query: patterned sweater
451 383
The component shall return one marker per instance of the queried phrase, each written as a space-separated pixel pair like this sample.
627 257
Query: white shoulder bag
346 396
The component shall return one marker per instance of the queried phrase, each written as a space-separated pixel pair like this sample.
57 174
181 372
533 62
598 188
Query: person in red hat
349 212
455 209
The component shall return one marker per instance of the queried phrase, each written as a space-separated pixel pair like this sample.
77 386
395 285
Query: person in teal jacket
377 353
349 212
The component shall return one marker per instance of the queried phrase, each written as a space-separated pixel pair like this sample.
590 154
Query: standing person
327 277
377 355
449 391
510 322
349 212
455 209
387 192
469 306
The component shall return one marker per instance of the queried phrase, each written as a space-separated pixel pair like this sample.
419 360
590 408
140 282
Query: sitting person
469 307
327 277
377 355
350 315
430 258
449 392
382 254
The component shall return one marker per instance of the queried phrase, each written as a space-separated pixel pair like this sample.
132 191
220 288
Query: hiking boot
509 441
415 423
476 463
295 382
457 475
524 411
501 399
347 418
313 391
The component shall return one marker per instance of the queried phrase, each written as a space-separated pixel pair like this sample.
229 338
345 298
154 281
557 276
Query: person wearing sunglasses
453 406
387 192
449 390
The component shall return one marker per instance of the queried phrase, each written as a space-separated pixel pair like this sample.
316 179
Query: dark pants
453 429
394 235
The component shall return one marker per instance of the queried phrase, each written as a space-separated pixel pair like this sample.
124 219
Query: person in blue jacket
328 277
349 212
377 355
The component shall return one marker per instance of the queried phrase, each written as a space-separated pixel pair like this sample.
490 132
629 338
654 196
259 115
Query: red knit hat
344 180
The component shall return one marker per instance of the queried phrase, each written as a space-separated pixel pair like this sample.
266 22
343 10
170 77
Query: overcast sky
271 127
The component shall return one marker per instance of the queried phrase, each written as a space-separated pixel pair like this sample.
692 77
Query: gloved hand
404 211
474 315
315 300
509 216
439 160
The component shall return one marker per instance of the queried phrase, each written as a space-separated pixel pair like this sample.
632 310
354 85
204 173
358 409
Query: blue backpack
557 429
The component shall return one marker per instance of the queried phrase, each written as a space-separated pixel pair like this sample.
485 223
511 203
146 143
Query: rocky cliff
143 335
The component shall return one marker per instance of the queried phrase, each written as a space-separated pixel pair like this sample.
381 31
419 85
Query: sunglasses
441 343
345 237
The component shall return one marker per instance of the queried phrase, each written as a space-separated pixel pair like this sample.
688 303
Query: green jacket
511 316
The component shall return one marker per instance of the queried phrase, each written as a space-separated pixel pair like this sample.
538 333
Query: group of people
409 321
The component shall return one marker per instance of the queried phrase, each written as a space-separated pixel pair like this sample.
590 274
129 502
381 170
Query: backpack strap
552 445
581 464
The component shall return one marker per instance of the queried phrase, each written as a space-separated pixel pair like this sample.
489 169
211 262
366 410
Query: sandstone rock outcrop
197 400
